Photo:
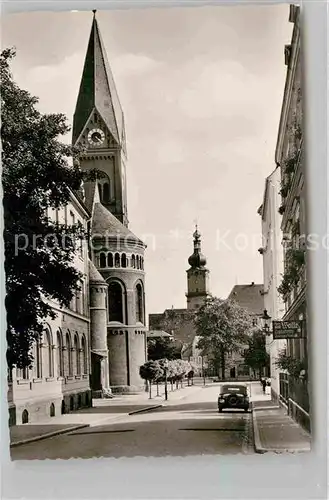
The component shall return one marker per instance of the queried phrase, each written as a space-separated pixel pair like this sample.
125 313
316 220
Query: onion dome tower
117 254
197 275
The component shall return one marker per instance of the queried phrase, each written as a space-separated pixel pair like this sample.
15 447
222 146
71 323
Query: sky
201 89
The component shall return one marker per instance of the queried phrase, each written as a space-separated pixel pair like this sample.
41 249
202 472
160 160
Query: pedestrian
264 385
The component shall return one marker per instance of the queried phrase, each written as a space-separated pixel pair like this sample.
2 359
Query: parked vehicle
233 396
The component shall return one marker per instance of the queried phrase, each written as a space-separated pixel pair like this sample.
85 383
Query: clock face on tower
96 137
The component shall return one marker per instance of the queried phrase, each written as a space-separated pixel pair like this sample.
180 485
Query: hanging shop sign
287 330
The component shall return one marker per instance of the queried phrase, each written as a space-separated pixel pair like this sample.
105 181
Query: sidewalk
103 411
274 430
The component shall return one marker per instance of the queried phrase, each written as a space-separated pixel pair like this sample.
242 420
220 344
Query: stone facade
249 296
58 382
272 254
290 158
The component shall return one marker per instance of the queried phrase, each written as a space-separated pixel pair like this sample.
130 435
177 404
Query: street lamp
165 368
266 322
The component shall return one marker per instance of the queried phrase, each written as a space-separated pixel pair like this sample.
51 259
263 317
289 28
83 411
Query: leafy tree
151 371
256 356
36 177
162 348
223 326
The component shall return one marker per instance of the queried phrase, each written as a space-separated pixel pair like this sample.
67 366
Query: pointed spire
97 90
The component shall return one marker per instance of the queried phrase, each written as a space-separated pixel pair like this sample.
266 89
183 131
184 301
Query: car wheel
220 410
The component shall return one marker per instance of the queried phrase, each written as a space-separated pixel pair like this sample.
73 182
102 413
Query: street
192 426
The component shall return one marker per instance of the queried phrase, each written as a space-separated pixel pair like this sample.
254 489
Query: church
95 346
180 322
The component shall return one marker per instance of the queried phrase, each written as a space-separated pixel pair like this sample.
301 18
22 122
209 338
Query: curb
147 408
48 435
257 442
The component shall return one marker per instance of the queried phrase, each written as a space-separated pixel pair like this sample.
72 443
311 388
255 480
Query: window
102 260
115 299
48 354
123 260
60 364
254 322
38 364
77 355
117 260
133 261
84 356
110 260
139 303
69 354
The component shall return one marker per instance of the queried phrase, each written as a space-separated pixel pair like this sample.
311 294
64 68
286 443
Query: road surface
190 427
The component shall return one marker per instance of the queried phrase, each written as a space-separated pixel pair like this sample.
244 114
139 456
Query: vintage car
234 396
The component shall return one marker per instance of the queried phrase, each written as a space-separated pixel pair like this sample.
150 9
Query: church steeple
197 275
98 90
197 260
98 126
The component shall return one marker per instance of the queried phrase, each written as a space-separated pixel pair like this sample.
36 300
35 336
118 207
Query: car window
229 388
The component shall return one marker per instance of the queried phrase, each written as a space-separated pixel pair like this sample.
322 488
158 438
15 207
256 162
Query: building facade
289 157
250 297
272 254
58 382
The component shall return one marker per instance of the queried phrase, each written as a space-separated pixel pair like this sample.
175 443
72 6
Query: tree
223 326
256 356
37 177
151 371
162 348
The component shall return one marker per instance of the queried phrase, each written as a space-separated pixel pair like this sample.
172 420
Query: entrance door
232 372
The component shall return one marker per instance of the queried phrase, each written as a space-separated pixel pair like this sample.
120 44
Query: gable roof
249 296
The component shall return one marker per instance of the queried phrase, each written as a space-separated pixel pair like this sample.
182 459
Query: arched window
110 259
60 362
123 260
102 260
139 303
38 359
133 261
117 260
25 417
142 263
77 355
69 354
137 261
47 354
106 192
115 302
84 356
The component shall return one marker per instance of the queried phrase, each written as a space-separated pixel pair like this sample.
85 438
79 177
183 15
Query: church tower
197 275
116 276
99 130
